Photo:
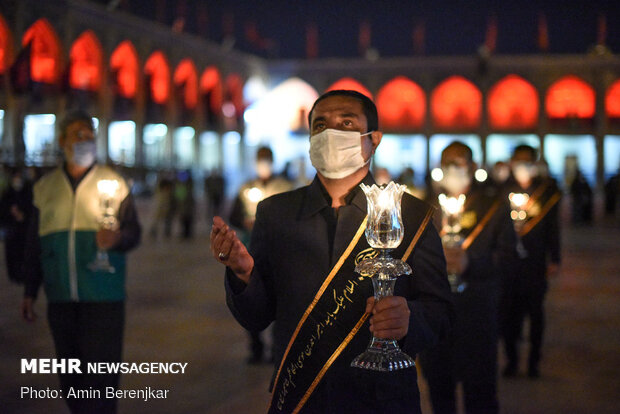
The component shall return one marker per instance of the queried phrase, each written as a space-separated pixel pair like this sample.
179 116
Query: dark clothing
523 294
91 332
291 249
214 190
15 201
469 356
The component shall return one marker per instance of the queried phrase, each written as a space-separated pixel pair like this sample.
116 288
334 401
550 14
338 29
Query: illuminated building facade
171 100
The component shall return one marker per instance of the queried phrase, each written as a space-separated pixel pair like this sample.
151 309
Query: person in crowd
164 206
582 203
612 191
214 192
407 178
479 252
185 203
299 272
86 305
500 173
382 176
535 210
243 215
14 215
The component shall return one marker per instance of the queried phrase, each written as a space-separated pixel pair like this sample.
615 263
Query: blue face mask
84 153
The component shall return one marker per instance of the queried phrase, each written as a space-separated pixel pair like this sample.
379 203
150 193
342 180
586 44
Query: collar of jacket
315 198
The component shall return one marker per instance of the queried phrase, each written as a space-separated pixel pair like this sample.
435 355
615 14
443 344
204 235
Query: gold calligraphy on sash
341 297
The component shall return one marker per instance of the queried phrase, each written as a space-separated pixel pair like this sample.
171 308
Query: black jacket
291 247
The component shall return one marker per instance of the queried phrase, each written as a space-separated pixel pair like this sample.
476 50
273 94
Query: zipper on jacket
73 277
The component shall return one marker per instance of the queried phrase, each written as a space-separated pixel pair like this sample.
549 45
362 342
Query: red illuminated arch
350 84
570 97
612 100
211 83
157 68
86 68
513 104
124 62
186 77
45 55
234 92
456 104
6 46
401 104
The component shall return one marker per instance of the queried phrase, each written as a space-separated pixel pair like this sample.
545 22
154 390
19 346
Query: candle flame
452 205
107 187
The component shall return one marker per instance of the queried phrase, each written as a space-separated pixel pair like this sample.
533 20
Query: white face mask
84 153
337 154
455 180
501 174
263 169
524 172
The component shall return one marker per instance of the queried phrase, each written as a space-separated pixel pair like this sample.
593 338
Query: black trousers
468 357
91 332
518 304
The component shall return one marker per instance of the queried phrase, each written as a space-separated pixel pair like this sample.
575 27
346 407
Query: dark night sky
452 27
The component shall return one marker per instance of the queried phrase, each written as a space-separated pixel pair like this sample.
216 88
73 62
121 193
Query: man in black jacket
480 250
538 231
300 273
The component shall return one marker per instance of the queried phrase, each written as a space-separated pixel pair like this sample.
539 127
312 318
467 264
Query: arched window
157 71
350 84
401 104
570 97
125 67
213 92
513 104
456 104
45 52
612 101
6 46
186 78
86 67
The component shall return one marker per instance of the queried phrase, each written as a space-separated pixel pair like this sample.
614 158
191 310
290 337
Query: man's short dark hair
369 107
462 146
527 148
74 116
263 153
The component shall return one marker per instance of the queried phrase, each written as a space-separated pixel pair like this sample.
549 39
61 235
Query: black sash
328 325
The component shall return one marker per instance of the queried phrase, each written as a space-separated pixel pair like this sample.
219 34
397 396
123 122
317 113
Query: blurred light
456 104
232 138
402 104
437 174
228 109
481 175
249 115
255 194
570 97
124 62
158 70
350 84
184 133
254 89
513 104
154 133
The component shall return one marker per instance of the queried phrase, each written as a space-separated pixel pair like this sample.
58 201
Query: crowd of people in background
175 199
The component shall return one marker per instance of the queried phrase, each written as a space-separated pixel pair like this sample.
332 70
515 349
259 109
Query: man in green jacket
80 210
